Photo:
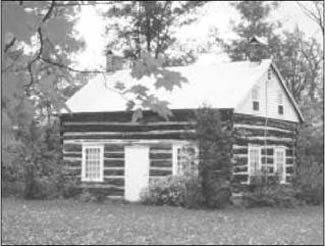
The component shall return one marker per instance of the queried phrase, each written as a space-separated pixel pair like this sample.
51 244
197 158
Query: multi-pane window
92 163
185 159
280 164
254 159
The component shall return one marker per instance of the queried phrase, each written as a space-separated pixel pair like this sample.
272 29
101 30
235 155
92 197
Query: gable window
92 163
255 99
280 104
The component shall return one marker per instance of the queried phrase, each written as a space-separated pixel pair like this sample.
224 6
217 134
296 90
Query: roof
219 85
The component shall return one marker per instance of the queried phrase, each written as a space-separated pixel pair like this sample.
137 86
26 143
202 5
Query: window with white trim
254 159
92 163
185 159
279 160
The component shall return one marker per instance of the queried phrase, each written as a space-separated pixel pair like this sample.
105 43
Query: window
185 159
254 159
280 103
255 98
269 74
280 163
92 163
280 109
256 106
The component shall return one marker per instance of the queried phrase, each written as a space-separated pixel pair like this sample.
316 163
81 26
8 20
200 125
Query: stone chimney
114 62
109 61
257 49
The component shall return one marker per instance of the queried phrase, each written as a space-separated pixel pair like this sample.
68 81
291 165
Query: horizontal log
160 155
125 128
161 163
124 133
123 142
236 146
105 123
113 176
259 132
114 155
113 163
114 147
72 147
240 160
262 127
72 163
160 172
114 172
72 154
160 147
260 121
118 182
166 136
179 115
261 142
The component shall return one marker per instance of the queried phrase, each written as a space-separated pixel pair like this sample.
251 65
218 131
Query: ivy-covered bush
181 191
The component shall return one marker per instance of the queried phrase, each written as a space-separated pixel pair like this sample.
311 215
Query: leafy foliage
149 25
271 196
214 140
181 191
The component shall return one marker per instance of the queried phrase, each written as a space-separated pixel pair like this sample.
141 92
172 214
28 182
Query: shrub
271 196
311 195
180 191
15 188
70 188
42 188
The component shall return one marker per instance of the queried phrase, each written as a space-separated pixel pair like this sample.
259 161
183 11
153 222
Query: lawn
73 222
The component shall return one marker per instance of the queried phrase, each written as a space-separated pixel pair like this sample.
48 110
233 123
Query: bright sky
216 14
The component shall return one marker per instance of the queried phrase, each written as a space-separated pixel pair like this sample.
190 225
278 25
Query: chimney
257 49
109 61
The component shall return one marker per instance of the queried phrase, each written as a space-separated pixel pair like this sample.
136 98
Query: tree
254 22
315 12
149 25
300 62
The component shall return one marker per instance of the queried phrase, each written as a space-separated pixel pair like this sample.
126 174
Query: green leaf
18 21
169 79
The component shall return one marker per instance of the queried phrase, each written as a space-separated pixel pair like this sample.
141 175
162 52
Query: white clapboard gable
219 85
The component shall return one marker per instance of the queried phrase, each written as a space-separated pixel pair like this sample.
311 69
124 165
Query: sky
215 14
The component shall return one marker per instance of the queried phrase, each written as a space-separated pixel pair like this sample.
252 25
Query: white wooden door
136 171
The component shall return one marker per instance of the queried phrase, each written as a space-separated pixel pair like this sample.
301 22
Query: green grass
73 222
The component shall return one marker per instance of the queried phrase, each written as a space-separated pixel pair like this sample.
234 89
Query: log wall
255 130
115 130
